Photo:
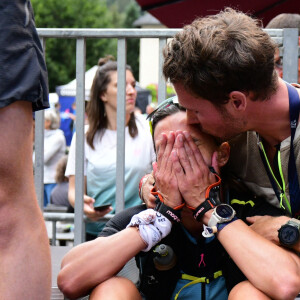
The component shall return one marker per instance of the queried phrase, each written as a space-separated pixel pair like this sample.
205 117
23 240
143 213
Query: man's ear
223 154
238 100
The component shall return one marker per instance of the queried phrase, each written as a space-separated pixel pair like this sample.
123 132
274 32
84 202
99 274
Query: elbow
288 289
68 285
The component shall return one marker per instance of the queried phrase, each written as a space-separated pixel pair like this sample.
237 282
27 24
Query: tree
61 53
132 12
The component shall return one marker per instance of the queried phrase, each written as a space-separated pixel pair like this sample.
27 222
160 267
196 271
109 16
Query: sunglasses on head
162 105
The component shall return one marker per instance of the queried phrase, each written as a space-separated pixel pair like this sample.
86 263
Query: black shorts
23 72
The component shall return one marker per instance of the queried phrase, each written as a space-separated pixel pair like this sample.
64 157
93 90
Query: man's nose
191 117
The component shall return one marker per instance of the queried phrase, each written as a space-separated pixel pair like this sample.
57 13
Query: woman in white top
100 147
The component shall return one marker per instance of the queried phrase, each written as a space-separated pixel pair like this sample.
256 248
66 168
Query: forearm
89 264
71 191
266 265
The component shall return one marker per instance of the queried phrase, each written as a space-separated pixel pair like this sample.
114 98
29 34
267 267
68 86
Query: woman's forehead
173 122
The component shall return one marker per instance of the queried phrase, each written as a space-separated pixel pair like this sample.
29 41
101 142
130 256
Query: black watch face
224 211
288 235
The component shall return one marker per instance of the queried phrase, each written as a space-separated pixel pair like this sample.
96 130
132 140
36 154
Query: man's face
218 122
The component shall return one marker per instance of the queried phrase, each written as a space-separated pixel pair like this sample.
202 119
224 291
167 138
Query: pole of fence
290 54
79 154
161 94
39 151
121 104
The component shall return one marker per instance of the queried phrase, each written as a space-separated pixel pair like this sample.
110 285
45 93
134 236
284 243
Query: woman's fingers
194 154
182 154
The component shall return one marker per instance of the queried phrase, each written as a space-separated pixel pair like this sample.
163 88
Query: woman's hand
165 178
192 172
90 212
147 197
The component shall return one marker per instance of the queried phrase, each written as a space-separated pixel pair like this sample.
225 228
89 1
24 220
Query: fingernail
186 134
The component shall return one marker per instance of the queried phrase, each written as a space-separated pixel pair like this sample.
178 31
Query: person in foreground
222 68
196 268
101 147
25 268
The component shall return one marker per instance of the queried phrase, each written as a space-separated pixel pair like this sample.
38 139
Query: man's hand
192 172
88 208
165 179
267 226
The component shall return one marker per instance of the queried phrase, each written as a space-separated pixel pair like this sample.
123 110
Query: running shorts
23 72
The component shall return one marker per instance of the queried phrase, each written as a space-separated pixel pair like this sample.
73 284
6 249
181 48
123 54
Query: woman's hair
95 108
61 169
164 112
53 117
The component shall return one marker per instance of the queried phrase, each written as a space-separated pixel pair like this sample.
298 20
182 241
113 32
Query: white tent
69 89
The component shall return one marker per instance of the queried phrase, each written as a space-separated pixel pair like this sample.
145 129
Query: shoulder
142 122
60 133
86 127
121 220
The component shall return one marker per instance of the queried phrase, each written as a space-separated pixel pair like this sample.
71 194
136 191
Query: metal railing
287 40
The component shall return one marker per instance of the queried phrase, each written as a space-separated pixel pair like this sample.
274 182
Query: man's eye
278 63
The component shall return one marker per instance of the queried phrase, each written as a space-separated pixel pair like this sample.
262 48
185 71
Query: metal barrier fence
287 40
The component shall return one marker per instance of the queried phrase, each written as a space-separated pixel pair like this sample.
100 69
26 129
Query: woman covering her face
101 143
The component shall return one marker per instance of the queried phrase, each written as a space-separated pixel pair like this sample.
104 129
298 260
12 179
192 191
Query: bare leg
116 288
245 290
25 266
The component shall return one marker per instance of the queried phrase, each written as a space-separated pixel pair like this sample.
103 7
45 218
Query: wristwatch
289 233
222 215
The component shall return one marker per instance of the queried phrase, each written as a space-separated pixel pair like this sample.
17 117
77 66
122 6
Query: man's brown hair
222 53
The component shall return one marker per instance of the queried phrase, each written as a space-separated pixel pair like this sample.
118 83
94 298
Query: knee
116 288
245 290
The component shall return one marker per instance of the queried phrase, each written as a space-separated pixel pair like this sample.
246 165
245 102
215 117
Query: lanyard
292 170
294 206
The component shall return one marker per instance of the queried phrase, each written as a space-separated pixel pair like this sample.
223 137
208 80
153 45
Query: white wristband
153 227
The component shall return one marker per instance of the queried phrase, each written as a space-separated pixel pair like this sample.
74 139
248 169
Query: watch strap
210 231
293 220
212 198
170 213
220 226
202 209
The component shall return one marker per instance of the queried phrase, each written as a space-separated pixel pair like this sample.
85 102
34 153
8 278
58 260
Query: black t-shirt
201 258
158 285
